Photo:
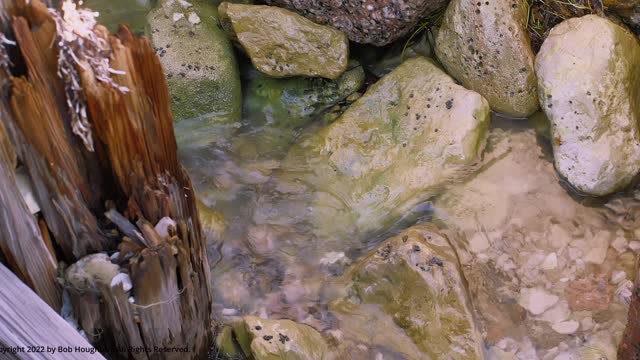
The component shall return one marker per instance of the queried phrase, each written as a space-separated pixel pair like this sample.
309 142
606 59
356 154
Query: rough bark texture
630 347
134 169
21 241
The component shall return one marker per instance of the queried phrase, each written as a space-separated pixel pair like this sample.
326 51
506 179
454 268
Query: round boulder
589 86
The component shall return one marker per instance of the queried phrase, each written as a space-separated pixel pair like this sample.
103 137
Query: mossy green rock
485 45
265 339
591 95
282 43
292 102
410 133
132 13
410 296
198 60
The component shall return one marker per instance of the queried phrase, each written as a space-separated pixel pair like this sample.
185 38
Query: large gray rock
282 43
410 133
373 22
486 46
589 86
198 59
409 295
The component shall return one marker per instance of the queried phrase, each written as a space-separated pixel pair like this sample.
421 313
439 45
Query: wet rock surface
591 96
282 43
412 296
266 339
485 45
291 103
198 60
408 134
370 22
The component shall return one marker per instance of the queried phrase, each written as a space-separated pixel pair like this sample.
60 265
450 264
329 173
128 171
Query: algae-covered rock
591 95
133 13
411 132
485 45
410 295
266 339
198 59
292 102
282 43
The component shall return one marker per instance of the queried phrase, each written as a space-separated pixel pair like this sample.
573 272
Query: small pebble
536 300
123 279
618 276
634 246
566 327
229 312
479 243
550 262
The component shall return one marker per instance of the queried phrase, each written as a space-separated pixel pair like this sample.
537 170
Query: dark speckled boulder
377 22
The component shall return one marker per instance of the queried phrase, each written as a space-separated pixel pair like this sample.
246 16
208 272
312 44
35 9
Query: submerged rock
282 43
198 59
411 132
378 23
113 13
410 296
591 96
265 339
292 102
485 45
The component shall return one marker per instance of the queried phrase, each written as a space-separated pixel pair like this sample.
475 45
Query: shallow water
516 225
274 262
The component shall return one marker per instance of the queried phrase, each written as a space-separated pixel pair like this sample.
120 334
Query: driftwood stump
90 200
630 346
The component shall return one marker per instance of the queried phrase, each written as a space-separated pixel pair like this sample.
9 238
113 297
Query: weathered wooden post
89 119
630 346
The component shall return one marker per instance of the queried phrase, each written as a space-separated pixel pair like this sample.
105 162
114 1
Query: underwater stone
414 281
411 132
266 339
536 300
292 102
282 43
591 95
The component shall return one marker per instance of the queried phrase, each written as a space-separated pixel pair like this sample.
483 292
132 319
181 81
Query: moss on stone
198 59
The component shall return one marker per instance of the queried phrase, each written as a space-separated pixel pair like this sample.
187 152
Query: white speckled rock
485 45
591 94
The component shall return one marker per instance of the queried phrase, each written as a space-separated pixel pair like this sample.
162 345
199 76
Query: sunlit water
273 261
268 258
